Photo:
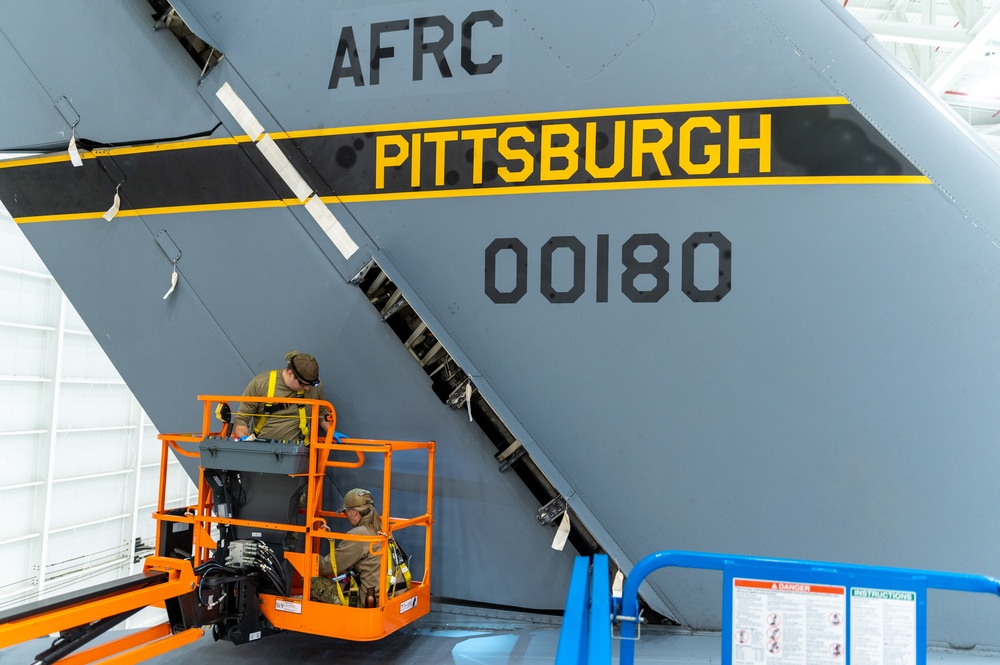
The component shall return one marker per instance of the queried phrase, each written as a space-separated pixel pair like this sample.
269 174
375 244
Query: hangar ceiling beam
984 31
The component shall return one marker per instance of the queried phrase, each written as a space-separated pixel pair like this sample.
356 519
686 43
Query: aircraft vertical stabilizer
691 255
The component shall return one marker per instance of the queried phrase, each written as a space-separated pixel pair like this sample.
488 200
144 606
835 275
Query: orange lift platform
240 563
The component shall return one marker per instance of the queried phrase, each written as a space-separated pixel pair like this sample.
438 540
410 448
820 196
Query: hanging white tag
468 399
173 282
616 585
562 533
74 154
115 207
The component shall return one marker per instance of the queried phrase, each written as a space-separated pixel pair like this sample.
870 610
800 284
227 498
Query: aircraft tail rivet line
277 159
314 205
334 230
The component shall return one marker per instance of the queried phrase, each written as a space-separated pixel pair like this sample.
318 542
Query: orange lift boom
220 564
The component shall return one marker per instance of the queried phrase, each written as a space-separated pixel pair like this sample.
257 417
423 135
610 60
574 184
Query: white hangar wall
79 459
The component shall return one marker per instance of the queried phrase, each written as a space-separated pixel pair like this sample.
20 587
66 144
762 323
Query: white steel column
53 439
137 476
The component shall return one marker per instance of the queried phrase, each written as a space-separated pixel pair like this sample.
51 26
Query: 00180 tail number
642 279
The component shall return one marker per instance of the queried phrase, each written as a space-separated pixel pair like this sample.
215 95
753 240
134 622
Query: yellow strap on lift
394 569
333 564
272 381
302 418
397 569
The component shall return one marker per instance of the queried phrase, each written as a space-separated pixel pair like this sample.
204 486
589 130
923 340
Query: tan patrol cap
357 498
303 366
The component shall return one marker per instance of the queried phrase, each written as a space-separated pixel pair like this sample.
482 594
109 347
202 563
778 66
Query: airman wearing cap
287 422
359 508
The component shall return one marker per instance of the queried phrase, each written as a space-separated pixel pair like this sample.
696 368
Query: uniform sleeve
317 393
247 409
348 553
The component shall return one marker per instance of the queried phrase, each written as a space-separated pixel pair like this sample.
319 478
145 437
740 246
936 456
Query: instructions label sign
283 605
788 622
883 627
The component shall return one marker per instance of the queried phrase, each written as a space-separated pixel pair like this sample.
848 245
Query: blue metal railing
576 618
591 592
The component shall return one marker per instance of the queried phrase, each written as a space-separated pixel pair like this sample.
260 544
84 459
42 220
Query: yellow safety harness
398 573
270 408
333 564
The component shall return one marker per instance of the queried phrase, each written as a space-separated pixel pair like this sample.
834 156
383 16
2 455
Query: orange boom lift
240 562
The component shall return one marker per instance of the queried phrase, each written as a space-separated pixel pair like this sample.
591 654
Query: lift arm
81 616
